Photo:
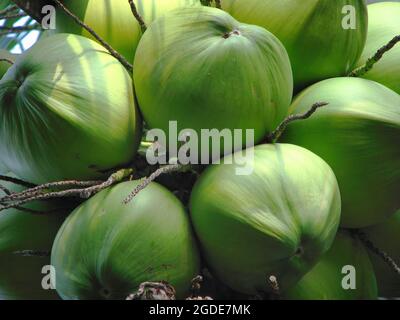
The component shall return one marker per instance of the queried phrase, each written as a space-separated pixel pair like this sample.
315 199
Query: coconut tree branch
7 60
146 181
373 60
382 254
17 181
137 16
8 10
275 135
14 15
112 51
16 199
19 28
33 7
32 253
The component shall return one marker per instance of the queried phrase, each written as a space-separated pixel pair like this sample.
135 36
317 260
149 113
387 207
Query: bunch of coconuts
70 110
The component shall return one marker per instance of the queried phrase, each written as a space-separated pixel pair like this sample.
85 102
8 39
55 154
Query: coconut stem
19 28
146 181
8 10
15 200
382 254
137 16
7 60
32 253
275 135
112 51
373 60
13 15
17 181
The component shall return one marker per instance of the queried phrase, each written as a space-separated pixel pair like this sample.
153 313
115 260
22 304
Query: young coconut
309 29
106 248
67 111
113 20
386 236
358 135
345 272
276 221
205 70
384 25
22 277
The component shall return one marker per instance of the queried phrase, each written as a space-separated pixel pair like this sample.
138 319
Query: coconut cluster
69 110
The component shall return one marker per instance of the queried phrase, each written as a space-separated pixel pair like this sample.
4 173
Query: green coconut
277 220
312 32
384 25
358 135
21 276
5 65
204 70
114 21
67 111
330 278
386 236
106 249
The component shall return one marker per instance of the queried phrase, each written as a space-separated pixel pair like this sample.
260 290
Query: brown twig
382 254
8 10
39 189
373 60
32 253
218 4
83 193
137 16
7 60
112 51
17 181
275 135
19 28
12 16
152 177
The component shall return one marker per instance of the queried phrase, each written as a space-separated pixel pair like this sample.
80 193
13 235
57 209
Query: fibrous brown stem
112 51
373 60
275 135
137 16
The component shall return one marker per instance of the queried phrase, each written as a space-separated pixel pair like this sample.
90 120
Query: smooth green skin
113 19
21 277
277 221
4 66
67 111
105 248
358 135
386 236
384 25
311 30
324 281
186 71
